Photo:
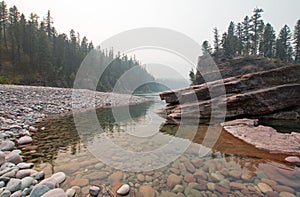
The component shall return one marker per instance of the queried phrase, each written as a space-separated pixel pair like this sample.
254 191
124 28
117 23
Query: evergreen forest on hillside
253 38
32 52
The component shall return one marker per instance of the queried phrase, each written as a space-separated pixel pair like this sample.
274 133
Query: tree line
254 37
32 52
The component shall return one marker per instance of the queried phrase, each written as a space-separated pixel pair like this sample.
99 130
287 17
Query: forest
253 38
32 52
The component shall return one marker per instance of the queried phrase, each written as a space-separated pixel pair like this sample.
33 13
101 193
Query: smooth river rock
24 140
58 192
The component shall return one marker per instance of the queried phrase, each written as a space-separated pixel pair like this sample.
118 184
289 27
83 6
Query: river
229 167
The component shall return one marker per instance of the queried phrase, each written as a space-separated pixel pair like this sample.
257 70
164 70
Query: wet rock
123 190
7 145
283 188
264 188
141 177
80 182
173 180
189 178
49 182
2 158
59 177
26 172
189 166
16 194
58 192
26 182
24 140
178 188
13 157
71 192
211 186
94 190
116 176
147 191
235 174
39 190
14 185
6 193
236 185
286 194
23 165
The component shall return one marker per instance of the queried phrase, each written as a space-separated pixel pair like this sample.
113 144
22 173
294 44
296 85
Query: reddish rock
147 191
236 185
173 180
79 182
116 176
189 178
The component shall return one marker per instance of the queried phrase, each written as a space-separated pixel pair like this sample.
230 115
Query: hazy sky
99 19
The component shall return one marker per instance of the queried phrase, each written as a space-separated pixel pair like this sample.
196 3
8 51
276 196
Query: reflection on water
231 167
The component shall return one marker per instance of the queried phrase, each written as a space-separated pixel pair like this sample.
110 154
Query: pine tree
230 44
297 41
246 26
3 22
284 49
239 35
268 41
256 29
206 48
216 42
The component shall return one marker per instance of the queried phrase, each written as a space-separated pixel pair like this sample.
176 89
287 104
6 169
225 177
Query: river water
230 167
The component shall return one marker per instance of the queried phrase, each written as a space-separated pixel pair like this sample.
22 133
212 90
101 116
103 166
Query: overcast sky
99 19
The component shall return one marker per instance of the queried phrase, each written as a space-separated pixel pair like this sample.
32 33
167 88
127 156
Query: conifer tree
297 41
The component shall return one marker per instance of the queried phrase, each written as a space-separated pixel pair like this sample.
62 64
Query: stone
272 194
2 158
58 192
211 186
23 165
235 174
195 192
147 191
94 190
140 177
16 194
189 178
173 180
6 193
189 166
99 166
217 176
39 175
25 172
292 159
7 145
32 129
26 182
286 194
178 188
283 188
71 192
116 176
264 188
236 185
14 185
79 182
49 182
69 167
59 177
123 190
24 140
39 190
13 157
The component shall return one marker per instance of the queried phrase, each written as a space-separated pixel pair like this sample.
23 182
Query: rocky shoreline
264 137
21 108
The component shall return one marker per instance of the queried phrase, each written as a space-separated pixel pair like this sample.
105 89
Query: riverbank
21 107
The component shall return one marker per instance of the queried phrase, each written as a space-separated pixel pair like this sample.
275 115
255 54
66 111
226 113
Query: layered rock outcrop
270 94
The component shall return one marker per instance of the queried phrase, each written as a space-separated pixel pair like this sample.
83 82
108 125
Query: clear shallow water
231 166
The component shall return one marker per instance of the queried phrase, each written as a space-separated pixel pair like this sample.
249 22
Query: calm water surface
231 167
